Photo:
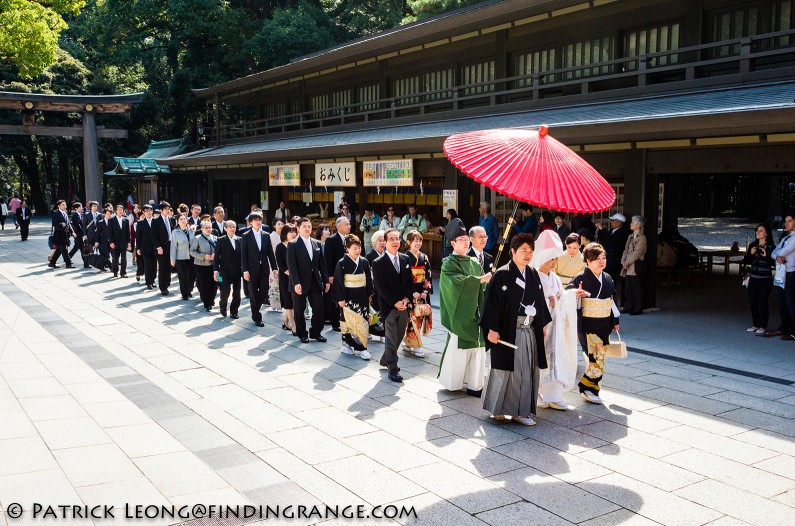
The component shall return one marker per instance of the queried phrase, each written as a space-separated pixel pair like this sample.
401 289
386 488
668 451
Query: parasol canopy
532 167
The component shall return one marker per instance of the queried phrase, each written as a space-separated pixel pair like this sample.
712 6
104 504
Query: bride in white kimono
560 337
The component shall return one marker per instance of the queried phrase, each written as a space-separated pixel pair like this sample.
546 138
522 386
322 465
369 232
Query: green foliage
29 32
422 9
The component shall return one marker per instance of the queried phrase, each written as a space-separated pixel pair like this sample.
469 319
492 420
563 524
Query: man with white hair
478 239
333 251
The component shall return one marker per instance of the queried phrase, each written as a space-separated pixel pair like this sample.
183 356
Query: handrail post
745 54
643 61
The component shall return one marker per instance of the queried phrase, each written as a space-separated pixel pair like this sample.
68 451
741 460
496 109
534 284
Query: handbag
640 267
745 281
616 349
96 260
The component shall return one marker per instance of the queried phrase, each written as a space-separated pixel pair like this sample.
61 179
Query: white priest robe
463 367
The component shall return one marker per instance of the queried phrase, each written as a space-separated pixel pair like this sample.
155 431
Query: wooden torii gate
88 106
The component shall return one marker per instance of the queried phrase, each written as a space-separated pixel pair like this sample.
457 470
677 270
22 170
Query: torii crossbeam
88 106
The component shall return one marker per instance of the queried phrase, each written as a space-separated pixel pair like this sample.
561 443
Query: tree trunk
29 166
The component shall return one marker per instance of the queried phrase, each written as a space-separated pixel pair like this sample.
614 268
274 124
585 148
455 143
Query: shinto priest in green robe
461 299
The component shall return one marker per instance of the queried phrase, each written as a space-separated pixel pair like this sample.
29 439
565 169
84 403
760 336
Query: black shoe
53 266
304 339
259 324
336 329
476 394
321 339
207 308
234 316
137 278
164 293
382 363
70 266
285 327
223 313
395 377
124 275
115 275
190 294
149 287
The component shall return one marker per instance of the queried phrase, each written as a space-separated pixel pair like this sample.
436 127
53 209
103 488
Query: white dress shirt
308 243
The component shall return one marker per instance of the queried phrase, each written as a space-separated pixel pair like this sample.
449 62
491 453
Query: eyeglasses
390 210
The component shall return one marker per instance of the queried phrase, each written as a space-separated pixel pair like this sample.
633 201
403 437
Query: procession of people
513 330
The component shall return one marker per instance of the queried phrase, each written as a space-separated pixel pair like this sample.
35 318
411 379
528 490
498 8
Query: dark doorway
237 195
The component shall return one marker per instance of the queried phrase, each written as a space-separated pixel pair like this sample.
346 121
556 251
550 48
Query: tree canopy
164 48
29 31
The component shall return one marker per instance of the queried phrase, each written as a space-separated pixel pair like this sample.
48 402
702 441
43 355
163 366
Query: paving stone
737 503
552 494
311 445
696 388
622 517
739 386
781 465
265 418
565 466
33 387
632 439
650 502
431 510
721 446
758 404
291 399
371 481
628 385
692 402
481 431
518 515
28 488
133 491
25 454
467 491
90 393
768 440
71 432
99 464
179 473
406 427
16 424
654 472
680 415
352 402
51 407
747 478
560 437
470 456
335 422
417 406
236 429
141 440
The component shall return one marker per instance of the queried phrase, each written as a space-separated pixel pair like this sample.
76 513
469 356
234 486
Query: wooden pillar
91 156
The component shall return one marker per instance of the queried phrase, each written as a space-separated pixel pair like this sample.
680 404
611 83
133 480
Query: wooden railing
736 56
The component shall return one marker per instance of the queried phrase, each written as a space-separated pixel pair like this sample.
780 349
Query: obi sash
355 281
594 308
418 273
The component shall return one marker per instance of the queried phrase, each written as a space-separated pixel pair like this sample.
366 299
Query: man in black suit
258 261
61 231
394 282
90 219
195 216
218 221
80 232
308 280
478 239
228 268
333 251
119 235
614 242
379 247
102 241
161 238
146 247
23 220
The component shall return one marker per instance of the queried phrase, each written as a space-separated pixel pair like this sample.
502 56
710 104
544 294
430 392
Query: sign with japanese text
388 173
335 174
284 175
449 200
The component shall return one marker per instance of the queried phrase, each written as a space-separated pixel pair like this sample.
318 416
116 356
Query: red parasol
532 167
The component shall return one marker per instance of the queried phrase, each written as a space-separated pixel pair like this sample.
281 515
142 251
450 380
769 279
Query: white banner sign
388 173
335 174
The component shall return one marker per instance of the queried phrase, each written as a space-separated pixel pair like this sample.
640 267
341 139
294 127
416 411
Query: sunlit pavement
111 395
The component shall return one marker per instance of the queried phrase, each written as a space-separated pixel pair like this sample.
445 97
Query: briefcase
616 349
96 260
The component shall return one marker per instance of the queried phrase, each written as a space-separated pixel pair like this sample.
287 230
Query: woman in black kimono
353 291
597 316
288 233
515 312
420 321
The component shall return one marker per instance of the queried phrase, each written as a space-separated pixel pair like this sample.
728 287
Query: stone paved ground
110 394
